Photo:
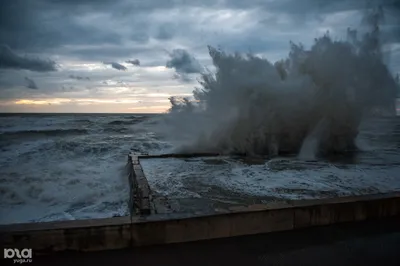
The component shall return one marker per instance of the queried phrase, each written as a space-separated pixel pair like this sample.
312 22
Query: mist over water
309 104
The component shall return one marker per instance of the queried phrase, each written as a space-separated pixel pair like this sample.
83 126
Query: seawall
144 227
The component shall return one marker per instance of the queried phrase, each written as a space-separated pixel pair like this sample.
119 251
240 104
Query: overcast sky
131 55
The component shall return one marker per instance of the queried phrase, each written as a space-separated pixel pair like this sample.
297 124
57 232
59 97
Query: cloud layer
11 60
183 62
127 34
134 62
115 65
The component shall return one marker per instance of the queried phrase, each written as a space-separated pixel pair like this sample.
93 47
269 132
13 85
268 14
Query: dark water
67 166
199 184
70 166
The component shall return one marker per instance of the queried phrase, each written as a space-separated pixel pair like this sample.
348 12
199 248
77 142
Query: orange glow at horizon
85 105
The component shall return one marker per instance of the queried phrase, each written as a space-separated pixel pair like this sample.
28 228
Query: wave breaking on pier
310 103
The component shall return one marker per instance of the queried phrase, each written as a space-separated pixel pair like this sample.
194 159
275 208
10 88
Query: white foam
68 177
41 181
41 190
178 178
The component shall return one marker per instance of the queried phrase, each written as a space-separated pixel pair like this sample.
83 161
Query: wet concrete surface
365 243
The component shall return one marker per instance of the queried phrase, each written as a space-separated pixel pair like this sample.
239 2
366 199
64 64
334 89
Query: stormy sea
64 166
322 122
71 166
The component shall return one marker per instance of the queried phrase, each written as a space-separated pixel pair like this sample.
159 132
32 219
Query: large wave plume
309 103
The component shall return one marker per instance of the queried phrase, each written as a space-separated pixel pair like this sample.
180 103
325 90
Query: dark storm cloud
91 31
300 11
323 7
11 60
31 84
37 25
134 62
305 7
116 65
78 77
183 62
45 24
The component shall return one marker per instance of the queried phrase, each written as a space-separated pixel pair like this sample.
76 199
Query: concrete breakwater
145 226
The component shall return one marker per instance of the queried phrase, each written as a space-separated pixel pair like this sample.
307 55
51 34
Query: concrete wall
121 232
85 235
140 196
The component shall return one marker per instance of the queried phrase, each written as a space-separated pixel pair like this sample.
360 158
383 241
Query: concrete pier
144 227
124 232
139 187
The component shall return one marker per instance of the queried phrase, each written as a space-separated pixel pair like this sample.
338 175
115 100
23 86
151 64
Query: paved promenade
366 243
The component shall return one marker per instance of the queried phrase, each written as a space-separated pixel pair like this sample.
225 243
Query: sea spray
311 103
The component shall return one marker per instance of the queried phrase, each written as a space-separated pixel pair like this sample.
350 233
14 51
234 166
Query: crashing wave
313 101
